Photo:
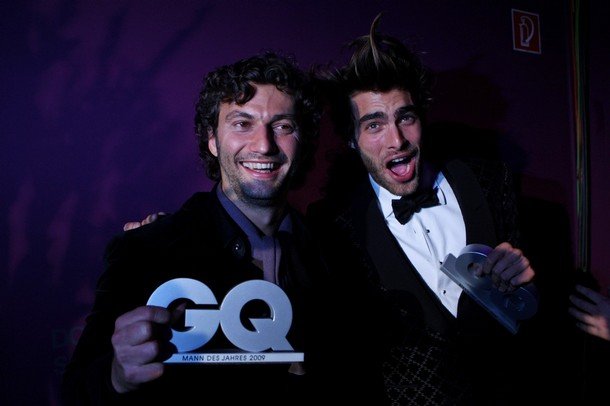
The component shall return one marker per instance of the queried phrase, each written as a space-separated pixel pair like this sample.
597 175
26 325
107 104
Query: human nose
394 137
263 141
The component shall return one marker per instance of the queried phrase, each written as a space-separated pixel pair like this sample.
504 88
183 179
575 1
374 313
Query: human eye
284 128
241 125
372 126
408 118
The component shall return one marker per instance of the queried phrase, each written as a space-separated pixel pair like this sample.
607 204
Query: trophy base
235 358
507 308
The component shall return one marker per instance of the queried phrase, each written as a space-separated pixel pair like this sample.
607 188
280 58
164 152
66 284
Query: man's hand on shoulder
149 219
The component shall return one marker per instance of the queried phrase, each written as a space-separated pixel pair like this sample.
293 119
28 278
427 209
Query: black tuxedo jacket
428 356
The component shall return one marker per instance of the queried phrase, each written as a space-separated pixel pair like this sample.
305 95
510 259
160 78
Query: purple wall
96 112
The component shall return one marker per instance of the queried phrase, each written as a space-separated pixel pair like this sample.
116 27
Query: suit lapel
395 271
475 211
480 229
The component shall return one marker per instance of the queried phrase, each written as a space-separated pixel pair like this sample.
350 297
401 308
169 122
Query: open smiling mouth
263 167
402 166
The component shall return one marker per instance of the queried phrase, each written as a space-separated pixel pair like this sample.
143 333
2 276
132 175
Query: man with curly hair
256 121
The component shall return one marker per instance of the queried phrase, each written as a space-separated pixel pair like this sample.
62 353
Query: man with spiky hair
395 216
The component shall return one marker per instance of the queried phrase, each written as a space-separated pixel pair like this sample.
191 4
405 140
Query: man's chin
264 197
261 201
401 189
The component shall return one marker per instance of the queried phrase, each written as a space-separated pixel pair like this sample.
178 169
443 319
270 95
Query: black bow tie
407 205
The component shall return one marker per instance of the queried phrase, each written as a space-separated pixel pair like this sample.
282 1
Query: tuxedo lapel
395 271
480 229
475 211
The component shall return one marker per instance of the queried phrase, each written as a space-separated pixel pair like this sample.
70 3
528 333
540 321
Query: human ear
212 142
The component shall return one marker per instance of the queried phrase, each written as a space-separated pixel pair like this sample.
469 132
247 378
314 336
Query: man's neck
265 215
428 175
266 218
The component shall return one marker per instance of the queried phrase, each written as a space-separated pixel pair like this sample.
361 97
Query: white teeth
397 160
259 166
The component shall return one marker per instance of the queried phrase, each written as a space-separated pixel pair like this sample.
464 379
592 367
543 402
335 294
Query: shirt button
238 248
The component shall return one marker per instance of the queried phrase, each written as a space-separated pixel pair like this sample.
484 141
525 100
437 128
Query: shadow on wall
330 148
463 96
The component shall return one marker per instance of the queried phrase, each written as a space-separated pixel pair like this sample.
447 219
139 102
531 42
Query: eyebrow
238 113
279 117
404 110
378 114
243 114
371 116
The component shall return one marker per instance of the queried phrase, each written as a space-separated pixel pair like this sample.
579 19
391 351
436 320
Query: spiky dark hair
378 63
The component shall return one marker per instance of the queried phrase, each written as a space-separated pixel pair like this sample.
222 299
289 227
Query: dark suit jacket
428 356
202 242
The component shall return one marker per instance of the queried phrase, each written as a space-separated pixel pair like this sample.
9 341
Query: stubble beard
258 194
254 192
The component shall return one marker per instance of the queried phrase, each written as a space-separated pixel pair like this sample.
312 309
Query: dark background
96 121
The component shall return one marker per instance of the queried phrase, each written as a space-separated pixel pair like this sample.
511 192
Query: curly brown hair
234 83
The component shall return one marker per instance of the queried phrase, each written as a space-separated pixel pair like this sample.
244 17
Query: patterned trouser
425 373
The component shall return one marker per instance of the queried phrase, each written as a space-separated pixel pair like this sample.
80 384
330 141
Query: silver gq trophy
266 344
507 308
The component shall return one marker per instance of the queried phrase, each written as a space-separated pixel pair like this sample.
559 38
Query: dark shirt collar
265 249
248 227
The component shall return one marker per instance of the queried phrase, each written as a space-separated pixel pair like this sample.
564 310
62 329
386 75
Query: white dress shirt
429 236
